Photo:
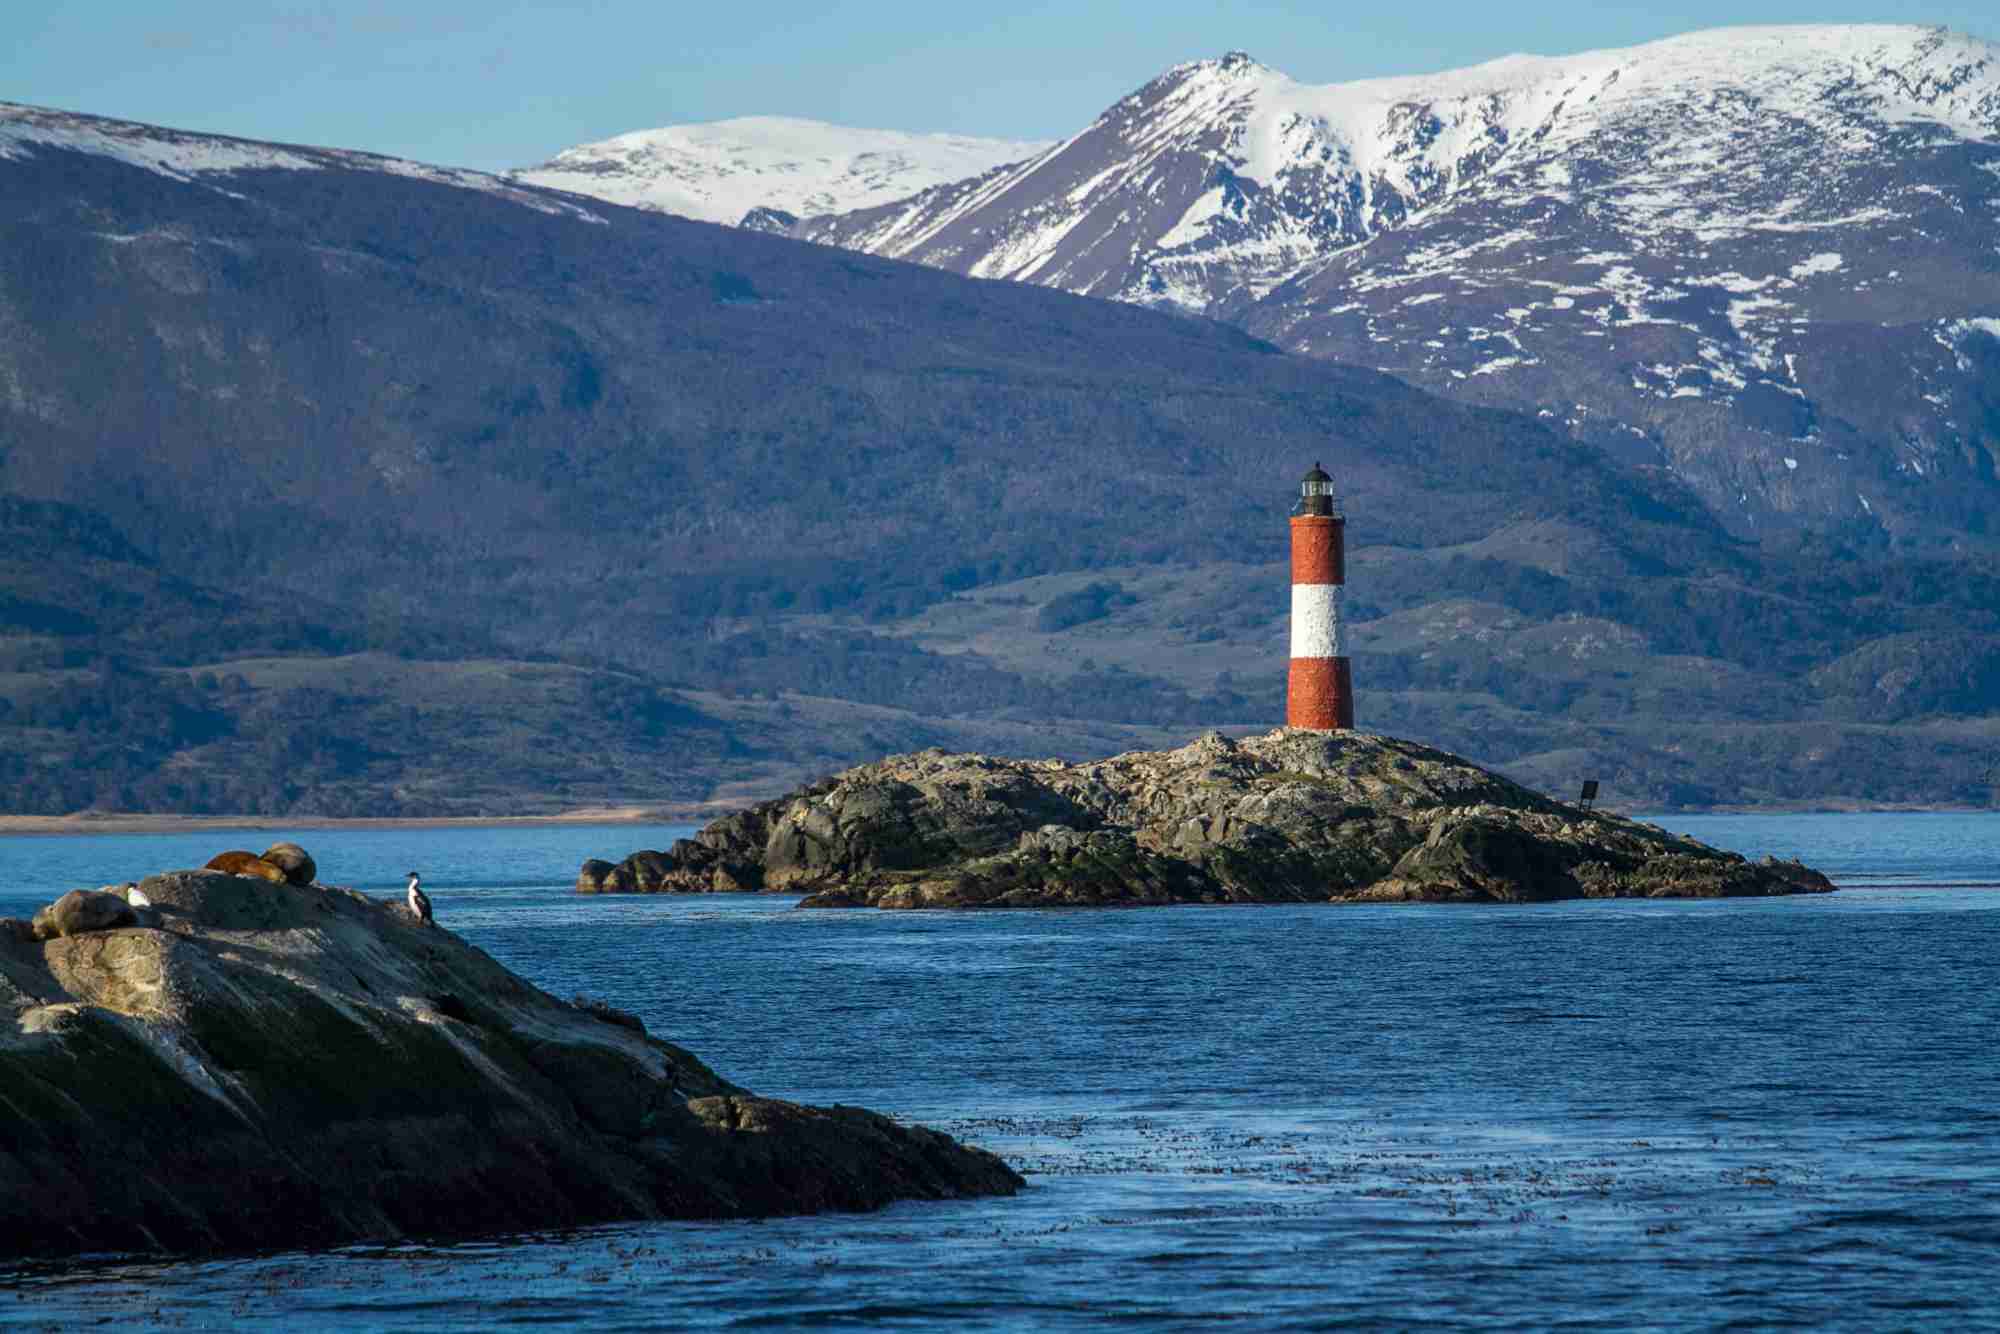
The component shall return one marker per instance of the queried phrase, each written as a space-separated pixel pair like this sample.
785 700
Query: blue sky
498 83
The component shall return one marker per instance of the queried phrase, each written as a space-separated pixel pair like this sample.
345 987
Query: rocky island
233 1061
1290 816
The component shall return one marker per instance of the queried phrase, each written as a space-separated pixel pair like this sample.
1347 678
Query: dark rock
893 824
1292 816
610 1014
451 1007
82 910
228 902
1807 880
13 930
1486 858
1049 867
844 1157
415 1086
835 898
294 861
648 869
765 218
691 866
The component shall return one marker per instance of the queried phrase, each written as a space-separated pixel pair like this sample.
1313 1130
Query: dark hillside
292 415
351 376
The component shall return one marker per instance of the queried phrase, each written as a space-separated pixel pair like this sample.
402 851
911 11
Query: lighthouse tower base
1320 694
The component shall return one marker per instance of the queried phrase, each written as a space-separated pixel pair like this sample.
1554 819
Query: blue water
1781 1112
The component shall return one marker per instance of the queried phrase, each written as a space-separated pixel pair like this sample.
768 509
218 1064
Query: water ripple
1670 1115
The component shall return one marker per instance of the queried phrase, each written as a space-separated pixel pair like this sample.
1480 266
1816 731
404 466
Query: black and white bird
420 904
134 897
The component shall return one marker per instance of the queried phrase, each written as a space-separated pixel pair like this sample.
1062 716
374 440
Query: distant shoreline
122 823
700 814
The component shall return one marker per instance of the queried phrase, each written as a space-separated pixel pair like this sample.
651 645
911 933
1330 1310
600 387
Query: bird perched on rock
420 904
134 897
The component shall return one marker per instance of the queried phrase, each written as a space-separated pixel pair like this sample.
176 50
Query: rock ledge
1291 816
243 1064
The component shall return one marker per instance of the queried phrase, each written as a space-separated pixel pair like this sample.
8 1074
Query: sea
1670 1115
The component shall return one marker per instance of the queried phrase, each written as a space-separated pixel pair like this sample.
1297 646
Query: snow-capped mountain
724 170
1766 257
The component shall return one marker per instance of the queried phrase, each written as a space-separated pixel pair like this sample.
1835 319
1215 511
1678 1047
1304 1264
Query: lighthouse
1320 694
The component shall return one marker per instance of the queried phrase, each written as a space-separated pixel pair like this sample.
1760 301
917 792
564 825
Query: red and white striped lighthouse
1320 694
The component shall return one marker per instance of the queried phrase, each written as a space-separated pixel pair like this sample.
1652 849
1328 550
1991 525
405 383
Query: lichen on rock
1290 816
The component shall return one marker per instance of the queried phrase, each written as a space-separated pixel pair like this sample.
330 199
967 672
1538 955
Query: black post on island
1589 796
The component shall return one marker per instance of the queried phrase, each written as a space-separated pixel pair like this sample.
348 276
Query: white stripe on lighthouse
1316 621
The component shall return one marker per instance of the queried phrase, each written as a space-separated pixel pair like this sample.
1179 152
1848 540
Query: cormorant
420 904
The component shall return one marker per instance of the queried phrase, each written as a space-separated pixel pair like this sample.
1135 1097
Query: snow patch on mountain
1693 240
1225 176
168 152
1953 334
721 170
200 158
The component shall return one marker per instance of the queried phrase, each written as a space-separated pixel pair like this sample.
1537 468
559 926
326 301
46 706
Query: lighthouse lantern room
1320 692
1315 494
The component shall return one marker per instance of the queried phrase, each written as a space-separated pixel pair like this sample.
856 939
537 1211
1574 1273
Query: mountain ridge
1273 126
191 156
1695 253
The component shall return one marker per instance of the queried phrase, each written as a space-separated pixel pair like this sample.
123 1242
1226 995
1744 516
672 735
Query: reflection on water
1782 1111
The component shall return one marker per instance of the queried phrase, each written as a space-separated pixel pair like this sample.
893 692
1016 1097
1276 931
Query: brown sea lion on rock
294 861
238 862
83 910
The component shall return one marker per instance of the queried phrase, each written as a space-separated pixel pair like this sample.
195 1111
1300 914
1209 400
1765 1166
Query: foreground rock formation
237 1063
1292 816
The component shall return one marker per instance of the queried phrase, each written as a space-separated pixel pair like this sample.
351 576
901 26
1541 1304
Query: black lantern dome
1316 494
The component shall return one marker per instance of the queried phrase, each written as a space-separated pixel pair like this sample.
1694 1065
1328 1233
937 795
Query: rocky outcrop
274 1064
726 857
1292 816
